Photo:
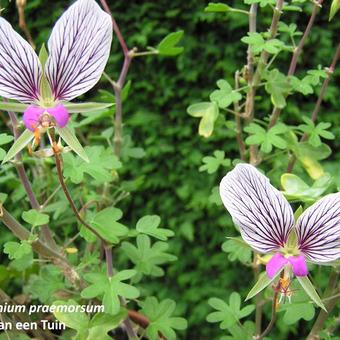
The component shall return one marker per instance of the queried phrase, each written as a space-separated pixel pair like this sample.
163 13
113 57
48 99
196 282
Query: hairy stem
272 31
317 107
118 86
274 308
250 100
68 195
258 298
46 232
296 54
239 137
322 317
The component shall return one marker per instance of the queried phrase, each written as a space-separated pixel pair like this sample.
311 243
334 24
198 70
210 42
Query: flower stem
274 307
118 86
68 195
45 230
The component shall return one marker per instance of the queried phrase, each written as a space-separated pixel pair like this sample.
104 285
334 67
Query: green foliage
314 132
225 95
100 165
105 223
167 46
208 112
228 314
237 250
259 44
267 139
147 257
212 163
35 218
161 319
149 225
96 328
109 289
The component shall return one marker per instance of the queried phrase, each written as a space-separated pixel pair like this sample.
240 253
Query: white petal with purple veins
262 213
318 230
79 48
20 69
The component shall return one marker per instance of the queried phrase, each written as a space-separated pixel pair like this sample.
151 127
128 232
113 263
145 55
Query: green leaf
237 250
334 9
109 289
161 319
16 250
167 46
225 96
298 311
150 225
295 188
209 113
102 323
11 106
101 165
72 141
217 7
263 282
228 315
267 139
5 138
35 218
213 163
105 223
278 87
147 257
310 290
78 321
23 140
43 286
86 107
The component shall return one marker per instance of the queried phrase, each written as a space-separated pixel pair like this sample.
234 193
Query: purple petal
31 117
318 230
20 69
299 265
264 216
275 264
79 48
60 115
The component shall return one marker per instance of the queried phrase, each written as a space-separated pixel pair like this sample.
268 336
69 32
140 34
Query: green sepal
24 139
310 290
263 282
86 107
72 141
43 55
15 107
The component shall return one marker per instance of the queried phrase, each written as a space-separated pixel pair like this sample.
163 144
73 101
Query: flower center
38 117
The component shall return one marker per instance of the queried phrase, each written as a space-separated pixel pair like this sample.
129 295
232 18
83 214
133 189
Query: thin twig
22 22
297 52
317 107
239 137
